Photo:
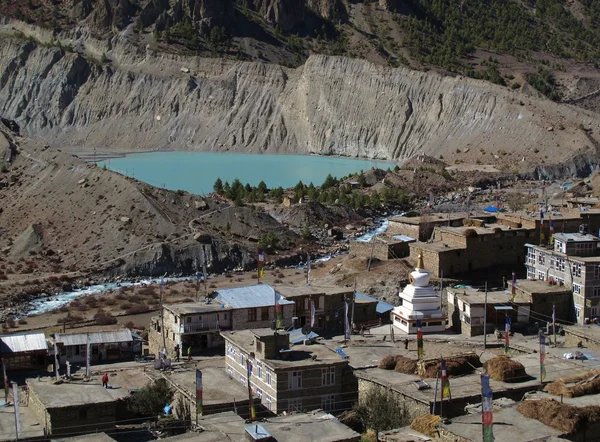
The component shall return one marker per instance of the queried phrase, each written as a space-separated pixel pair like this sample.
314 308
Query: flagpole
353 303
258 266
441 397
162 316
554 322
541 349
485 318
437 380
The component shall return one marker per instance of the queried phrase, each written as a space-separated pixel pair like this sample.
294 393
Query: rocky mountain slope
55 87
61 215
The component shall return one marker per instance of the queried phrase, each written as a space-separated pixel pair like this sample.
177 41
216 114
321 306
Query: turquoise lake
196 172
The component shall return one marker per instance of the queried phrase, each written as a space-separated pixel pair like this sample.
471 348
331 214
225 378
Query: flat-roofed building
105 346
573 261
189 324
289 378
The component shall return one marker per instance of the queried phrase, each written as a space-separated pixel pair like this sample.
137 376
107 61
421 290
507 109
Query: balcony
198 327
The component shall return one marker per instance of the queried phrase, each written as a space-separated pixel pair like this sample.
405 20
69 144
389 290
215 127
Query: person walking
406 344
177 352
105 380
190 352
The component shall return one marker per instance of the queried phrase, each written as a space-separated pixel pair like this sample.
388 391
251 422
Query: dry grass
563 417
503 369
587 383
455 366
426 424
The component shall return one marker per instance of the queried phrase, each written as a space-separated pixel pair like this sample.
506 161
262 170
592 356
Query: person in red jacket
105 380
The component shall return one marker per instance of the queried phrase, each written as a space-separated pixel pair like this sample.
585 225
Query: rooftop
306 290
488 229
190 308
436 246
302 427
94 337
535 216
92 437
575 237
23 342
509 426
68 394
536 286
438 217
382 306
298 355
217 386
476 296
260 295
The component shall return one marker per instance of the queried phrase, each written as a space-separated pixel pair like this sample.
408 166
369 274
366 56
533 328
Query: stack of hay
399 363
504 369
563 417
587 383
426 424
455 366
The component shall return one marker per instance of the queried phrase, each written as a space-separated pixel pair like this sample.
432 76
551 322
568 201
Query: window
530 273
542 258
264 314
188 319
294 380
294 405
259 369
596 292
328 402
560 264
268 377
242 359
597 272
577 312
577 289
259 393
251 314
224 317
541 275
230 372
577 270
530 256
328 376
269 402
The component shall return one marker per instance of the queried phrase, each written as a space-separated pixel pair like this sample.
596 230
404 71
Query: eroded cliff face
330 105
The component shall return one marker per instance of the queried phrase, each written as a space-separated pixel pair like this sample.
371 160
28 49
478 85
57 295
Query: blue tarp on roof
382 306
296 336
492 209
260 295
403 238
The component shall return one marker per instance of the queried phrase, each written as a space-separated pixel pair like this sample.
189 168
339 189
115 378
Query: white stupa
419 300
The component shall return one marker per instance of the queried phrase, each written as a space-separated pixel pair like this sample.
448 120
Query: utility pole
371 257
441 291
485 318
162 315
87 355
353 302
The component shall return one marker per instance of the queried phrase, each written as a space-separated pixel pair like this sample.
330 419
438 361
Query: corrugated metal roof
382 306
95 337
260 295
23 342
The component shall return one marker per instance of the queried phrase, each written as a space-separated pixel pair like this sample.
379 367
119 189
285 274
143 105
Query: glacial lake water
196 172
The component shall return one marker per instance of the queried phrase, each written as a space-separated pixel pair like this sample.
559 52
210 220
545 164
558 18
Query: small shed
105 346
24 351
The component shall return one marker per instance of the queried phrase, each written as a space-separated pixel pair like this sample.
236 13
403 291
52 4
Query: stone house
105 346
421 227
254 306
189 324
572 262
71 408
466 310
329 305
24 351
383 247
543 296
460 250
291 379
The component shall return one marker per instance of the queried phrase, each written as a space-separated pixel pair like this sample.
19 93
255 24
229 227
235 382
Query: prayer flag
261 263
542 357
277 311
198 392
445 381
487 408
506 333
312 314
308 269
346 322
420 351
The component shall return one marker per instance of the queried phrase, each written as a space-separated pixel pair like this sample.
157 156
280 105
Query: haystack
387 362
563 417
504 369
455 366
426 424
587 383
405 365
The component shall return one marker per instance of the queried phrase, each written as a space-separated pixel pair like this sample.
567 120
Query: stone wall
240 317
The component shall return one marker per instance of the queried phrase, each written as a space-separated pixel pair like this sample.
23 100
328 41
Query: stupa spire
420 264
